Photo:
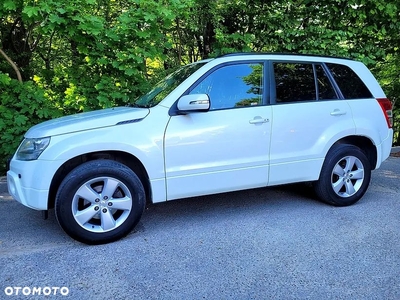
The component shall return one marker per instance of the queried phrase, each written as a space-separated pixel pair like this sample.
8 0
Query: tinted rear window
294 82
302 82
349 83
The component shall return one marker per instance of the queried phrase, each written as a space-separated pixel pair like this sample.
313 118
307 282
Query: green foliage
105 46
388 73
22 105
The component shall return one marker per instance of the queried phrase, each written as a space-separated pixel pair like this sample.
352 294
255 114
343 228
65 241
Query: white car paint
239 157
208 152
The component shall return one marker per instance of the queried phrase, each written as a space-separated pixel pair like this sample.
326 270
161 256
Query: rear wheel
99 202
345 176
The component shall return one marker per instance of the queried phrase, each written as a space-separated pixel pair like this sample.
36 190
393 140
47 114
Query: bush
22 105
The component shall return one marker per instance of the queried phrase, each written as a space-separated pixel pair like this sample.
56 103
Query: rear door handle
338 112
258 120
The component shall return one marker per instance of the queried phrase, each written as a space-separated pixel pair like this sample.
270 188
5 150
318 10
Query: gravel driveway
270 243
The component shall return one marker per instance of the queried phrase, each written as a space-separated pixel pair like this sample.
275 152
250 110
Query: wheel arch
127 159
365 144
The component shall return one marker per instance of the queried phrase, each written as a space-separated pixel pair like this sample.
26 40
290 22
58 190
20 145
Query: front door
226 148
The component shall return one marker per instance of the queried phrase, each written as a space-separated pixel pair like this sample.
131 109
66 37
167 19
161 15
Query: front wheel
99 202
344 177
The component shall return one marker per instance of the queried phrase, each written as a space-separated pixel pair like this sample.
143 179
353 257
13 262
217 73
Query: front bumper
29 182
30 197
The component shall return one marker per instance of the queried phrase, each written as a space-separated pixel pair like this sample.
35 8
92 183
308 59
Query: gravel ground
270 243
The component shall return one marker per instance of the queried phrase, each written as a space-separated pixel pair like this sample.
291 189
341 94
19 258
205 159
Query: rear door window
324 85
295 82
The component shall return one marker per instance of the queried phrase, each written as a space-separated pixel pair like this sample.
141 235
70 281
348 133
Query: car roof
311 58
285 54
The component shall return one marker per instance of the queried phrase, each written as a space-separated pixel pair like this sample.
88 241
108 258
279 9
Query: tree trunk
13 65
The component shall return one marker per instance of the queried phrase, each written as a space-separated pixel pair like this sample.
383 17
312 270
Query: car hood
88 120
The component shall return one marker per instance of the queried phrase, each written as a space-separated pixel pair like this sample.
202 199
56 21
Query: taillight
386 106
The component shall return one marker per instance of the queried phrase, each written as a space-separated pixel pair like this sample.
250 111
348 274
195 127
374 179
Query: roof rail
279 53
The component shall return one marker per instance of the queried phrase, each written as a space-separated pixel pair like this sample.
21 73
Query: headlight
30 149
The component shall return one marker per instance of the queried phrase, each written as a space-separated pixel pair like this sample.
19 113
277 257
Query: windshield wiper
136 105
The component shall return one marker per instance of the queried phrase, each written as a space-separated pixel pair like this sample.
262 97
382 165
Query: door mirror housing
194 103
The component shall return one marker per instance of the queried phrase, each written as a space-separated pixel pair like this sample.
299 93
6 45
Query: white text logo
36 291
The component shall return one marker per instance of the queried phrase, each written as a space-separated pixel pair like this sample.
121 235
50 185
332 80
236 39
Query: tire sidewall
79 176
324 185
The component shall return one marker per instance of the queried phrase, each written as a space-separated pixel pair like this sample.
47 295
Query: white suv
235 122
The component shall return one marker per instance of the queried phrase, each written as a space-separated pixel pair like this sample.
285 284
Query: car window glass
294 82
325 88
233 86
349 83
165 86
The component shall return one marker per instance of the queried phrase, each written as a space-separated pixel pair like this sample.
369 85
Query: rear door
308 115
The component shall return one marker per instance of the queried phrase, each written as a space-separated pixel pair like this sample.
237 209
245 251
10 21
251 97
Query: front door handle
338 112
258 120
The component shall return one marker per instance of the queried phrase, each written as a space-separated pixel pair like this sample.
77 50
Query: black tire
345 176
99 202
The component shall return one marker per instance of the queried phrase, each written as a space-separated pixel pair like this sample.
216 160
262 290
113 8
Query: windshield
166 86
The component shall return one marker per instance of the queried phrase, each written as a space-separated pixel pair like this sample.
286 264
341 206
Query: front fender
144 140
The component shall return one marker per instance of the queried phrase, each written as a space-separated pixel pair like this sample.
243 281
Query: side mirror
194 103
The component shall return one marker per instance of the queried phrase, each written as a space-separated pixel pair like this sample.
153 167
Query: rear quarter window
351 86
